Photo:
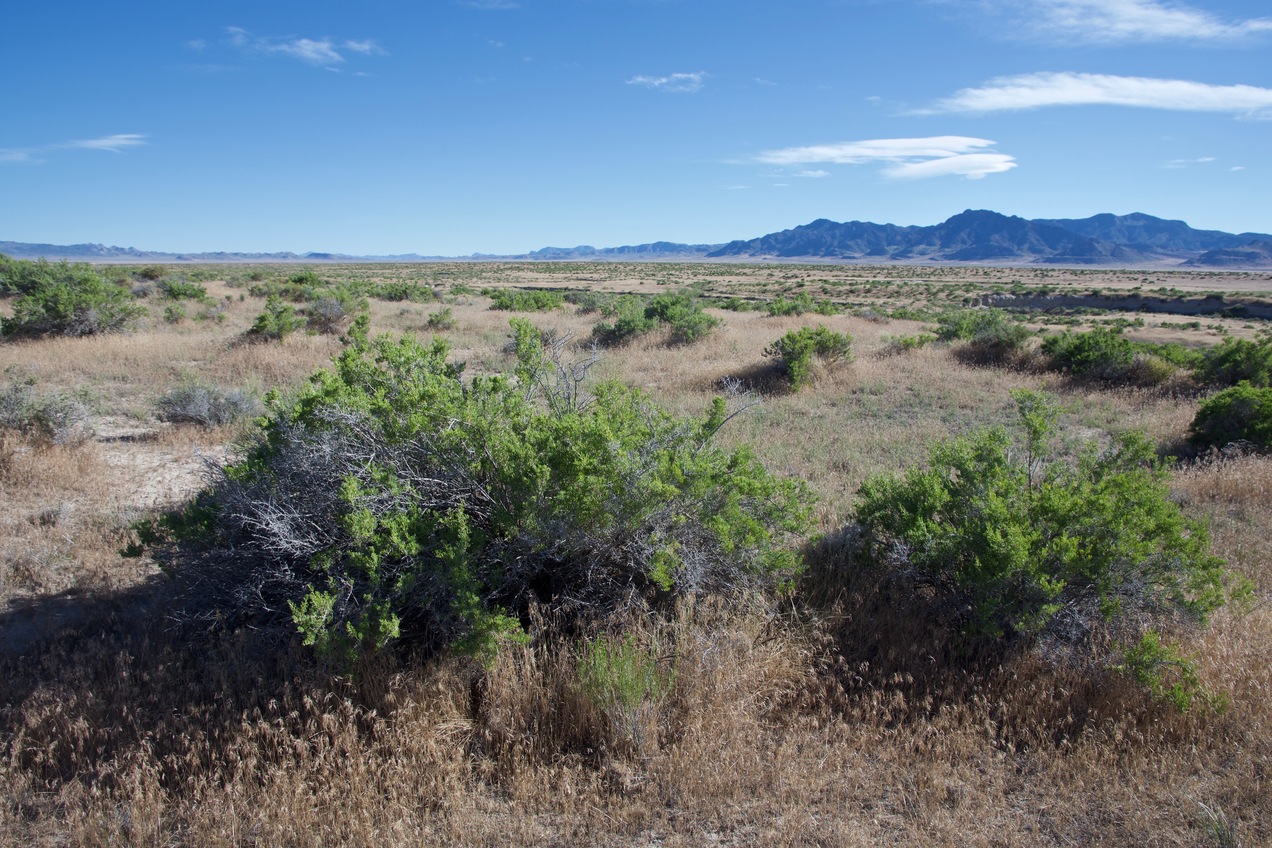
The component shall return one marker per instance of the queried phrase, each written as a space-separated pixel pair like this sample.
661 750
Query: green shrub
152 273
630 319
781 306
209 406
174 313
392 501
991 335
906 344
679 311
626 681
402 291
525 300
442 319
682 312
1237 360
63 299
796 351
1106 356
182 290
1242 413
307 277
278 321
1019 543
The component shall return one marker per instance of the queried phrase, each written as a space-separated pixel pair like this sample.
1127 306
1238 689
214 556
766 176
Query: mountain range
973 236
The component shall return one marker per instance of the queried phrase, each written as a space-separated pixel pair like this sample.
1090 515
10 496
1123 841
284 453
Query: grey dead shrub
207 405
48 418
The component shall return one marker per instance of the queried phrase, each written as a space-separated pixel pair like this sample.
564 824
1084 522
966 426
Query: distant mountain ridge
972 236
985 236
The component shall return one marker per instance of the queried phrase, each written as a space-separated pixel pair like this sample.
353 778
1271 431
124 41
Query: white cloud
905 158
109 143
112 143
974 166
1237 168
1184 163
307 50
315 51
1031 91
813 174
1122 21
674 83
366 46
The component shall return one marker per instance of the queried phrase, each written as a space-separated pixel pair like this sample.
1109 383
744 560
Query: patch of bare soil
150 472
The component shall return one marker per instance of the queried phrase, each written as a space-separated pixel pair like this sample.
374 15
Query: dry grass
855 717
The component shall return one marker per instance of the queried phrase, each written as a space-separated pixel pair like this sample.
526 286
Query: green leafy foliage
1242 413
1020 543
1105 355
442 319
276 322
990 334
394 501
635 316
797 350
174 289
64 299
800 304
626 680
524 300
907 344
1237 360
1162 669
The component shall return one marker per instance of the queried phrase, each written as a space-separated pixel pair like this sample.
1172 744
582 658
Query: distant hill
103 253
1256 254
972 236
1144 232
654 250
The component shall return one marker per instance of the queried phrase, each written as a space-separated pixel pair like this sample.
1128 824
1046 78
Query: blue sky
448 127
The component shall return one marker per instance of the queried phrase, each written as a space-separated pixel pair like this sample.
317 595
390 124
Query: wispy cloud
1032 91
812 174
903 158
674 83
1184 163
112 143
326 52
1123 21
109 143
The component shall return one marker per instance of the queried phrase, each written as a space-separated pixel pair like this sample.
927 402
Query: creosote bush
394 501
991 335
1237 360
524 300
276 322
634 316
1022 544
796 351
1242 413
1106 356
64 299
